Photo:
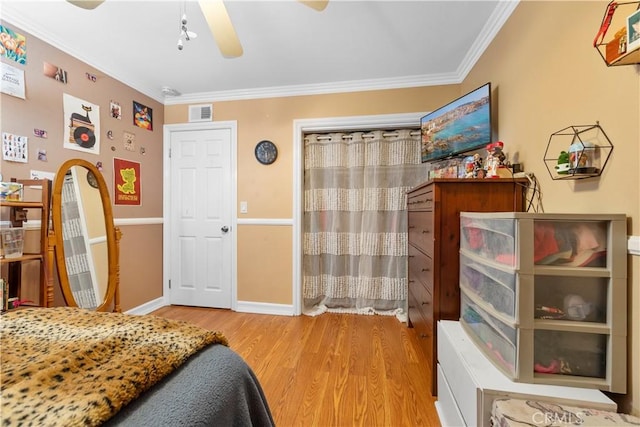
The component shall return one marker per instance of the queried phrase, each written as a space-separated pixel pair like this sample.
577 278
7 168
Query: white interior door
200 218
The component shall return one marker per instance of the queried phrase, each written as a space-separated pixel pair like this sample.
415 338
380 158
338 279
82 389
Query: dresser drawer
423 301
423 327
421 199
420 268
421 230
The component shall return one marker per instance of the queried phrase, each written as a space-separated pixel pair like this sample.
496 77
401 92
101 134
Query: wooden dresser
434 243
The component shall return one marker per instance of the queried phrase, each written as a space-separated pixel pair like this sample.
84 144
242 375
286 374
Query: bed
70 366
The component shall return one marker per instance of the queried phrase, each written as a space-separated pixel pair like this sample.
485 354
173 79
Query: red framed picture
127 183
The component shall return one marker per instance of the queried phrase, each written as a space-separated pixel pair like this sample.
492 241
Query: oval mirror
86 241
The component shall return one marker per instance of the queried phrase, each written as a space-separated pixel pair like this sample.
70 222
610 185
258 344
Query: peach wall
547 76
265 268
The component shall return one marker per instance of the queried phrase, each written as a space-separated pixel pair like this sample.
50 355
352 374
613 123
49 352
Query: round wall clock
92 180
266 152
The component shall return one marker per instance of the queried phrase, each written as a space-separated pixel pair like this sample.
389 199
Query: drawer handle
412 256
426 269
411 281
426 231
412 226
424 336
425 302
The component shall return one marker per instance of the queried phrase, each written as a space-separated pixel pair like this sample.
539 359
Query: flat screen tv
460 126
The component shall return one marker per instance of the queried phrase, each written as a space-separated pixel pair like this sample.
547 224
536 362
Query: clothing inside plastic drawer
490 238
570 353
581 299
494 286
496 338
570 243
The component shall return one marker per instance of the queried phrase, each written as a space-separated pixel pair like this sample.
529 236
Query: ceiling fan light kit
184 32
217 17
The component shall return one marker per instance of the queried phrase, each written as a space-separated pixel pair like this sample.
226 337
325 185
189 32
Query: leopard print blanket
70 367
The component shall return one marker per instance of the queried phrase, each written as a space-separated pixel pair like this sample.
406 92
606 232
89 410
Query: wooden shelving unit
17 215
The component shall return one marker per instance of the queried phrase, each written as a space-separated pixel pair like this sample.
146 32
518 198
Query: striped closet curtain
355 220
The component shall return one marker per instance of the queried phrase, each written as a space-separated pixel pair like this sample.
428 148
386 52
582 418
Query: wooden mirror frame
113 234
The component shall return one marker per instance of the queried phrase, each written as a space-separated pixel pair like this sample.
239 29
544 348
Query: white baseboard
242 307
264 308
148 307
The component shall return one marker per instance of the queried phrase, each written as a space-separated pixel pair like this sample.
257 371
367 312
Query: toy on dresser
495 158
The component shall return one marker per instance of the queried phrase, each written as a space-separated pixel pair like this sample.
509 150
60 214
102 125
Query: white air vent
200 113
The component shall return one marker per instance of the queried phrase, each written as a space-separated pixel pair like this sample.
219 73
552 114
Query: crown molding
501 13
317 89
491 28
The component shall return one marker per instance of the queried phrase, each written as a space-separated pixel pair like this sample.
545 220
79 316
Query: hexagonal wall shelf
577 152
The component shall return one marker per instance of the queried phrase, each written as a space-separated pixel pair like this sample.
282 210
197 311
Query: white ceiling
289 49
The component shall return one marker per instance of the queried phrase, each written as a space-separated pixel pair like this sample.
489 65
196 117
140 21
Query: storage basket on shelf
12 239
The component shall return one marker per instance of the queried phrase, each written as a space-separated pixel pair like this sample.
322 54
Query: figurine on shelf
495 158
469 167
563 165
478 170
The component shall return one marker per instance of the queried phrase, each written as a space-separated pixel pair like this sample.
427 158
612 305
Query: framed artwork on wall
142 116
127 184
633 31
81 125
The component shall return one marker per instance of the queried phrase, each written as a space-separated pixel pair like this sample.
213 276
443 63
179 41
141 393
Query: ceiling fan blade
221 27
318 5
86 4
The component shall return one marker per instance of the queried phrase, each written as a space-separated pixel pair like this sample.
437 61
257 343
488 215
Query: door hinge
169 152
169 283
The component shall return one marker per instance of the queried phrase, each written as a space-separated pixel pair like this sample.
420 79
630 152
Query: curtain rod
368 135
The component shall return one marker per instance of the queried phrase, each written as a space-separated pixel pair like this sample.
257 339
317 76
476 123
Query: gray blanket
215 387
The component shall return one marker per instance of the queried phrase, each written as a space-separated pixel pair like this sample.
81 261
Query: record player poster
82 125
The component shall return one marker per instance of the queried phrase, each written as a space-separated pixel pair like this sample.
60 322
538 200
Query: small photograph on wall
12 82
82 125
15 148
14 45
142 116
116 111
54 72
633 31
127 182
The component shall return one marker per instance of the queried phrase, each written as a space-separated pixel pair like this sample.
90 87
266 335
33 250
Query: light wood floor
329 370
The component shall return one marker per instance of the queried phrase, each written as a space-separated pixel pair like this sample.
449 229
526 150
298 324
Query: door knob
224 229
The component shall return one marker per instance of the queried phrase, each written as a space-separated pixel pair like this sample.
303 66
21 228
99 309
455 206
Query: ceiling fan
218 19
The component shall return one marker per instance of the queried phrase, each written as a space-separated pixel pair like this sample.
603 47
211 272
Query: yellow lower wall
265 268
